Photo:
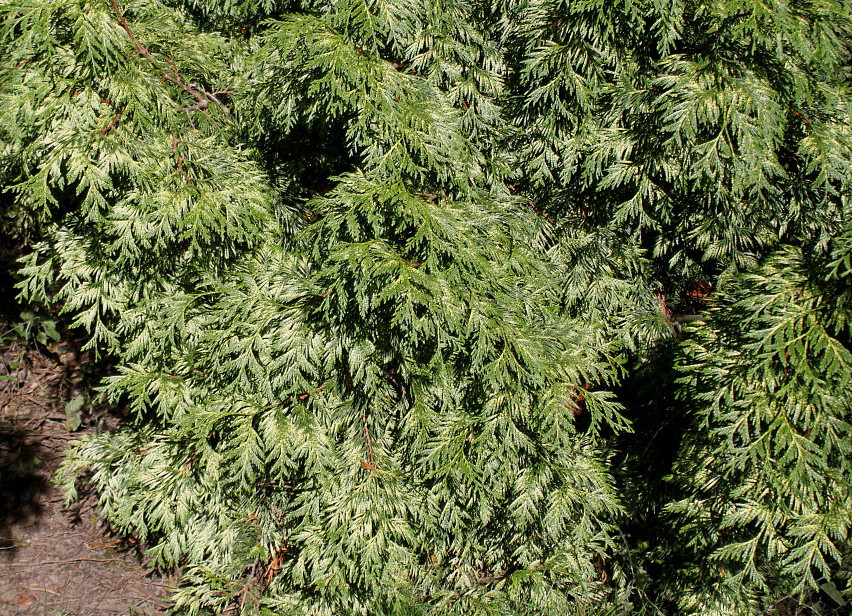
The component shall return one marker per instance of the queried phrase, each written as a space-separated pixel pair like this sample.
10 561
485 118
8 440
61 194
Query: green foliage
383 285
684 148
770 377
374 414
704 134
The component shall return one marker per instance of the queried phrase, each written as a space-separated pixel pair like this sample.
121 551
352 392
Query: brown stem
314 390
199 94
303 396
247 585
274 565
371 466
114 122
180 159
402 389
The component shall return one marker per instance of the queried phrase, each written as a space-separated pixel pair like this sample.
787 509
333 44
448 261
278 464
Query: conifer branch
201 96
592 156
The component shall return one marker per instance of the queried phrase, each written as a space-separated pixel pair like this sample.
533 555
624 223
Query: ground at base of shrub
57 561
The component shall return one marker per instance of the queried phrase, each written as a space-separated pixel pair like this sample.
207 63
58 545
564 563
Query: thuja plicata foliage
485 307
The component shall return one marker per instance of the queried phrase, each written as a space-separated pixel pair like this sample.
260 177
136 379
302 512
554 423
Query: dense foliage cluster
452 306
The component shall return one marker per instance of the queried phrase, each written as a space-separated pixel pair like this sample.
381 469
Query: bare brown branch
201 96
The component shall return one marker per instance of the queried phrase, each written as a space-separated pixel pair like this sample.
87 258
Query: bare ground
57 561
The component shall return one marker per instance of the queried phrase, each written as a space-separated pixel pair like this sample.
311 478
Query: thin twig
180 159
114 122
41 437
402 388
303 396
170 587
201 96
247 585
372 464
52 592
62 562
314 390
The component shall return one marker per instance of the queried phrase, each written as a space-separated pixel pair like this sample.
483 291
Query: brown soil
57 561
